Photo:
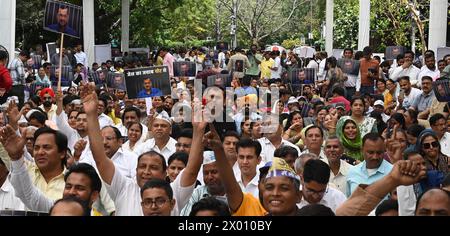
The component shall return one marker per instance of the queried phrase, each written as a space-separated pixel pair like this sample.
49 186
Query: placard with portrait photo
393 51
116 81
184 69
99 77
441 90
302 76
147 82
220 80
66 76
62 17
238 66
222 46
349 66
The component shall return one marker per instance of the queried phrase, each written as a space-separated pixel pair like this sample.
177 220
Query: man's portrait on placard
184 69
239 66
147 82
442 90
61 17
302 76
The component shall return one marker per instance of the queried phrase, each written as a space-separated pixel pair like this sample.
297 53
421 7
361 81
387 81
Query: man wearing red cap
47 97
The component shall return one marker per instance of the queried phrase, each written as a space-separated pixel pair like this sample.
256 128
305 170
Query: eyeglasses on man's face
159 202
314 192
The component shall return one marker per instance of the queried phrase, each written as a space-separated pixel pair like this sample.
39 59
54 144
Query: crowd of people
372 143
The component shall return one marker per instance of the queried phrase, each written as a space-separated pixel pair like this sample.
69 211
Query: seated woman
246 128
293 127
397 119
397 140
412 134
428 145
72 118
350 137
365 124
410 118
176 163
134 137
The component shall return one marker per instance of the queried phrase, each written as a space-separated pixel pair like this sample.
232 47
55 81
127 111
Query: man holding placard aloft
64 18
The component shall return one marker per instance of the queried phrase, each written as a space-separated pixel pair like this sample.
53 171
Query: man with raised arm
125 192
81 180
272 179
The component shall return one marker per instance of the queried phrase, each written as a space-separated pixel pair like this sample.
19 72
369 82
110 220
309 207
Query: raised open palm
13 113
12 142
89 98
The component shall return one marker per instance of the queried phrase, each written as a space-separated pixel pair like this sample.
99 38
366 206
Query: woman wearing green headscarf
350 136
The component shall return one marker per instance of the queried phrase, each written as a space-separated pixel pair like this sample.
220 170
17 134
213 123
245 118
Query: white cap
208 157
22 120
76 102
292 100
378 103
31 112
164 116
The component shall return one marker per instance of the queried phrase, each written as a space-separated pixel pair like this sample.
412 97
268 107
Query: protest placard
99 77
51 49
349 66
302 76
66 76
442 90
147 82
184 69
238 66
221 80
222 46
442 52
62 17
393 51
116 81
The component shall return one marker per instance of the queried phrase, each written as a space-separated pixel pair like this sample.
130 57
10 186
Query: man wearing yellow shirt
273 201
81 180
47 171
265 66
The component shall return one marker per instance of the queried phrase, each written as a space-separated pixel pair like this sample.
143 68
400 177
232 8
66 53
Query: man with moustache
422 103
373 168
213 186
47 97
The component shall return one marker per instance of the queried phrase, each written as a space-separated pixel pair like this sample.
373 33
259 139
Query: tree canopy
185 23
